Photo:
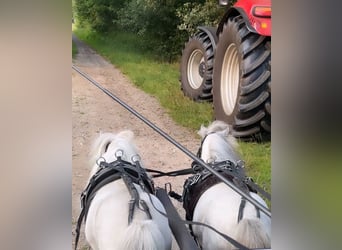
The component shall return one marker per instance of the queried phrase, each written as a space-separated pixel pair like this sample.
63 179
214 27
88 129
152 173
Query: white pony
219 205
106 226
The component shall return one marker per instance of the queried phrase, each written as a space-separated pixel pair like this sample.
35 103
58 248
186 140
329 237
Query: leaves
194 14
162 25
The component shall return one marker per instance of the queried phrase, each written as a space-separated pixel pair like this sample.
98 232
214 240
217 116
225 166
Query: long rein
174 142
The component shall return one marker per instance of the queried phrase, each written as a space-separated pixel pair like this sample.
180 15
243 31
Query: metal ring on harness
100 160
136 158
119 153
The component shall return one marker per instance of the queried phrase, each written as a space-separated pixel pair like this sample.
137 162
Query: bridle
130 173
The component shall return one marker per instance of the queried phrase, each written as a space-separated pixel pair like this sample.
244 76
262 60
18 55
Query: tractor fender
211 32
253 23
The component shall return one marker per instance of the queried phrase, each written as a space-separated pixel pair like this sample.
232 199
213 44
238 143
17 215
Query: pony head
220 128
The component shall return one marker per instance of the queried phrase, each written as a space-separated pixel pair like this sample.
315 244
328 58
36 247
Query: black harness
109 172
196 185
202 180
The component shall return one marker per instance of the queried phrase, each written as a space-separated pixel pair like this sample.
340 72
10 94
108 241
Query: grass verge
74 50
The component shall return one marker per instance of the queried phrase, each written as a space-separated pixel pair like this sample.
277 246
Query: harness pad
197 184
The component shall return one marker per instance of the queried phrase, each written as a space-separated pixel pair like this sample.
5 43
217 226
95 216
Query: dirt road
94 112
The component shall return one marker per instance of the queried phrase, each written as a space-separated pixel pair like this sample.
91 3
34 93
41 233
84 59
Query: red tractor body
258 13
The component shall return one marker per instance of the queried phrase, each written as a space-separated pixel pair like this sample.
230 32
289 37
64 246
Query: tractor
230 65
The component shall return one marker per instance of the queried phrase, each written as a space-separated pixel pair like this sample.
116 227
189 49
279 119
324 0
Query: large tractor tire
197 67
242 81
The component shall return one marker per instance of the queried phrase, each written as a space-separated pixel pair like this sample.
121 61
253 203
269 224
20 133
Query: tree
98 14
163 25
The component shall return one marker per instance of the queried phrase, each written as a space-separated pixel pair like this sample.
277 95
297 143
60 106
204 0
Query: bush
194 14
156 23
162 25
98 14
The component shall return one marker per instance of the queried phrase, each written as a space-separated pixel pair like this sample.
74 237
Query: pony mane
104 139
221 128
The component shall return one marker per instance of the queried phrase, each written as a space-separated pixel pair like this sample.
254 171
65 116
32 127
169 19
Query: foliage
162 25
98 14
156 23
74 49
194 14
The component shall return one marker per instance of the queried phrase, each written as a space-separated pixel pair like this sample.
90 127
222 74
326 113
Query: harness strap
85 203
246 180
134 195
241 208
177 225
146 209
135 201
199 152
109 172
78 227
171 173
256 187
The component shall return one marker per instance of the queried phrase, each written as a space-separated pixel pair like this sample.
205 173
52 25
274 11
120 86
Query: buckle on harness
83 199
195 179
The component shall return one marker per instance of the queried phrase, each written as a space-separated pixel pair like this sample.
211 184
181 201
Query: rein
175 220
109 172
199 161
185 171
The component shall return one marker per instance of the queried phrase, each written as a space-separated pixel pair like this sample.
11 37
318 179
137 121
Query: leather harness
197 184
109 172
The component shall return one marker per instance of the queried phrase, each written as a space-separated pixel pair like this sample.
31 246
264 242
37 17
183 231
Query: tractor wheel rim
230 79
195 63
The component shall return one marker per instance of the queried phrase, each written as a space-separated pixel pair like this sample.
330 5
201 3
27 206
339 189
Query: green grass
161 80
74 50
74 47
257 158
